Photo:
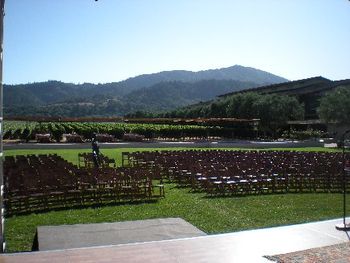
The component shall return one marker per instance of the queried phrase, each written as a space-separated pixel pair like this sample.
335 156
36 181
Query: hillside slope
151 92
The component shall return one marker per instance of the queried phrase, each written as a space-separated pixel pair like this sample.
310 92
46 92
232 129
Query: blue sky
111 40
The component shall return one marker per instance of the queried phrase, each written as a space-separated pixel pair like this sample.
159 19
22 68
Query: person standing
95 151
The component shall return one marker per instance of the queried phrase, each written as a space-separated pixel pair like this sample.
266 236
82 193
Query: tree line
273 110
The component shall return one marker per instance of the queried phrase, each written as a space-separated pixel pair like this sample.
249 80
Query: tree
217 109
275 110
335 106
241 105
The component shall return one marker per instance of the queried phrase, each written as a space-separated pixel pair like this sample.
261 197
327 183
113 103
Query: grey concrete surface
239 247
159 144
88 235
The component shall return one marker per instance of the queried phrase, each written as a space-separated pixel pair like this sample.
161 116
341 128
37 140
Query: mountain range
156 92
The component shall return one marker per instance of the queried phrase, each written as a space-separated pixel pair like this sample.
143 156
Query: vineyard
29 130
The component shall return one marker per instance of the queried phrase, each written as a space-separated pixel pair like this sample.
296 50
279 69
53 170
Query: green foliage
7 134
56 130
242 106
273 110
86 129
17 134
55 98
146 93
18 130
25 134
335 106
303 135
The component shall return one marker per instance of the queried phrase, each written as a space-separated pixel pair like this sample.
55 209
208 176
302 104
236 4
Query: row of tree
272 110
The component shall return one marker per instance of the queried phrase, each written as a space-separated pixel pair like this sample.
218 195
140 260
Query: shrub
43 138
132 137
303 135
7 135
104 138
75 138
25 135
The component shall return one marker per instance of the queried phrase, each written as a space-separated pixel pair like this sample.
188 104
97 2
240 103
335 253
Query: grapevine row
28 130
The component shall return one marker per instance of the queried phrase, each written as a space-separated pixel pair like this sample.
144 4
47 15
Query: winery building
308 91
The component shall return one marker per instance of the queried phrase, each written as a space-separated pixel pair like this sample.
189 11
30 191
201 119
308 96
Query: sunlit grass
212 215
71 155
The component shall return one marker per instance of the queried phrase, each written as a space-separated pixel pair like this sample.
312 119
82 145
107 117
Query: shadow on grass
242 195
180 187
82 206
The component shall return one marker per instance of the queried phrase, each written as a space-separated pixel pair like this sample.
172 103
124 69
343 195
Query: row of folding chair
49 182
227 172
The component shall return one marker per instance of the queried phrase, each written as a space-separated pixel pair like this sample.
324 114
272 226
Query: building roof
341 83
303 86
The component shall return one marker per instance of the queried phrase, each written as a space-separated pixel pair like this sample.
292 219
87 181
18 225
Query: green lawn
212 215
72 154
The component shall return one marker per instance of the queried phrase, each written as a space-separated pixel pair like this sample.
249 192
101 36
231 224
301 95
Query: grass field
212 215
72 154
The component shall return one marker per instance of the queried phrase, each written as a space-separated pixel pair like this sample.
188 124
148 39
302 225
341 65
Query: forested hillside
148 93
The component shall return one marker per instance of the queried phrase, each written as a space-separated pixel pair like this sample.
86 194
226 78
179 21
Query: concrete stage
244 246
103 234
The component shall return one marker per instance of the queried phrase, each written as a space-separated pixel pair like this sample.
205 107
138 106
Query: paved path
244 246
205 144
116 233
